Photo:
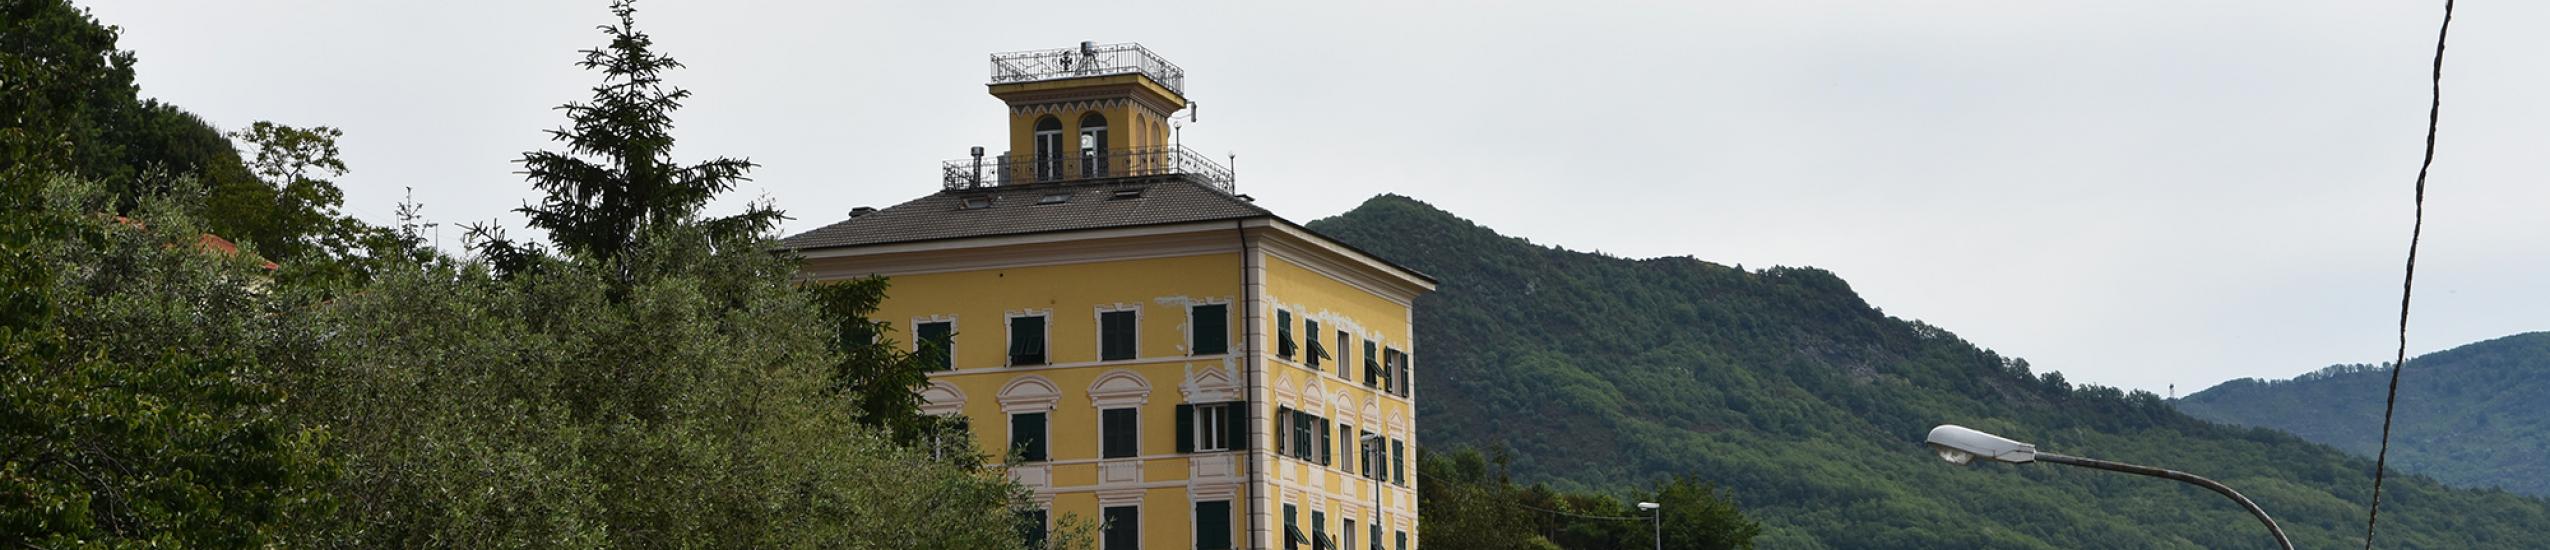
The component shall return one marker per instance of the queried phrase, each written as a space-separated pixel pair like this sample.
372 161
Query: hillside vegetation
1783 386
2469 416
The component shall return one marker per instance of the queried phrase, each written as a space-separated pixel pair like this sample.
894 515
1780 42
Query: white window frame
1205 429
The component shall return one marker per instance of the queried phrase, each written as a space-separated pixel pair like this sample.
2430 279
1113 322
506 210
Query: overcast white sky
2137 194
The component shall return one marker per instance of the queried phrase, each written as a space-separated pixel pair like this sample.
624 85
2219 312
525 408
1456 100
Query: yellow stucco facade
1257 271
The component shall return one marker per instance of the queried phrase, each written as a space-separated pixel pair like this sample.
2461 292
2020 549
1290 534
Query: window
1283 431
1347 531
1345 369
935 343
1346 461
1209 329
1403 541
975 203
1284 334
1207 427
1031 526
1213 525
1124 528
1293 537
1310 332
1116 335
1027 340
1027 436
1116 433
1376 535
1372 363
1093 145
1319 529
1054 198
1049 157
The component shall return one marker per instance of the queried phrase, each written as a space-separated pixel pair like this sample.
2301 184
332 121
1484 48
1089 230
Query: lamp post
1960 445
1373 441
1659 515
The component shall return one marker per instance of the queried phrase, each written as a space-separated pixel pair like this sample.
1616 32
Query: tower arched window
1093 145
1049 148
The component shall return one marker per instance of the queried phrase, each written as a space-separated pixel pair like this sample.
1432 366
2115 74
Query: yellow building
1155 351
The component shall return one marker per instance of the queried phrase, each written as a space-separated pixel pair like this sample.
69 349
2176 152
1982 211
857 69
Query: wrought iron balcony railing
1087 60
1008 170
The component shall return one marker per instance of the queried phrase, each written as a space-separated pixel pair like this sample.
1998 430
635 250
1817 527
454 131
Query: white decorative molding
1120 471
1120 497
1029 394
942 398
1211 385
1119 389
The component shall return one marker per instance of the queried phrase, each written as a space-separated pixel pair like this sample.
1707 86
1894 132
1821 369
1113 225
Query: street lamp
1372 442
1659 515
1960 445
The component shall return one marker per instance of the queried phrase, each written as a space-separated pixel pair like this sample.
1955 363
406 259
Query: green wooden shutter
1117 338
1398 462
1326 443
1116 433
1310 333
1213 525
1027 436
1124 527
1211 329
1284 334
1238 416
1027 341
1372 362
934 343
1186 428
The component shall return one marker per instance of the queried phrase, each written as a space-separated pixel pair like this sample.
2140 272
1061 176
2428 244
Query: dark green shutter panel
1212 330
1310 334
1238 417
1124 527
1031 526
1186 429
1027 436
1027 341
1372 362
1284 334
1118 327
1324 443
1213 525
1398 463
1117 433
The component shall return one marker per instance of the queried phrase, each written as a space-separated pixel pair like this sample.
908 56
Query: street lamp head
1959 445
1649 506
1371 437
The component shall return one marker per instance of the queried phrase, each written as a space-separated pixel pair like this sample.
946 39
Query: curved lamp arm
2164 473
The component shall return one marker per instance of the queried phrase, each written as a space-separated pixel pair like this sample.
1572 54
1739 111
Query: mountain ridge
1788 388
2467 415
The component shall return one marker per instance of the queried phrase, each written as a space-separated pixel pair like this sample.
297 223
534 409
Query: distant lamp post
1960 445
1654 510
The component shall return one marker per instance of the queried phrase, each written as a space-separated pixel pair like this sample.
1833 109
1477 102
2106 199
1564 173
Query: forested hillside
2470 416
1782 385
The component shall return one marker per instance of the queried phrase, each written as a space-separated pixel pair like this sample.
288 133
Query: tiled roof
1026 209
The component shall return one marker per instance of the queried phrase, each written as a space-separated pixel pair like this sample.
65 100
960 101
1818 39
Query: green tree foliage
141 381
617 177
69 105
1469 500
1798 398
541 410
2470 415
